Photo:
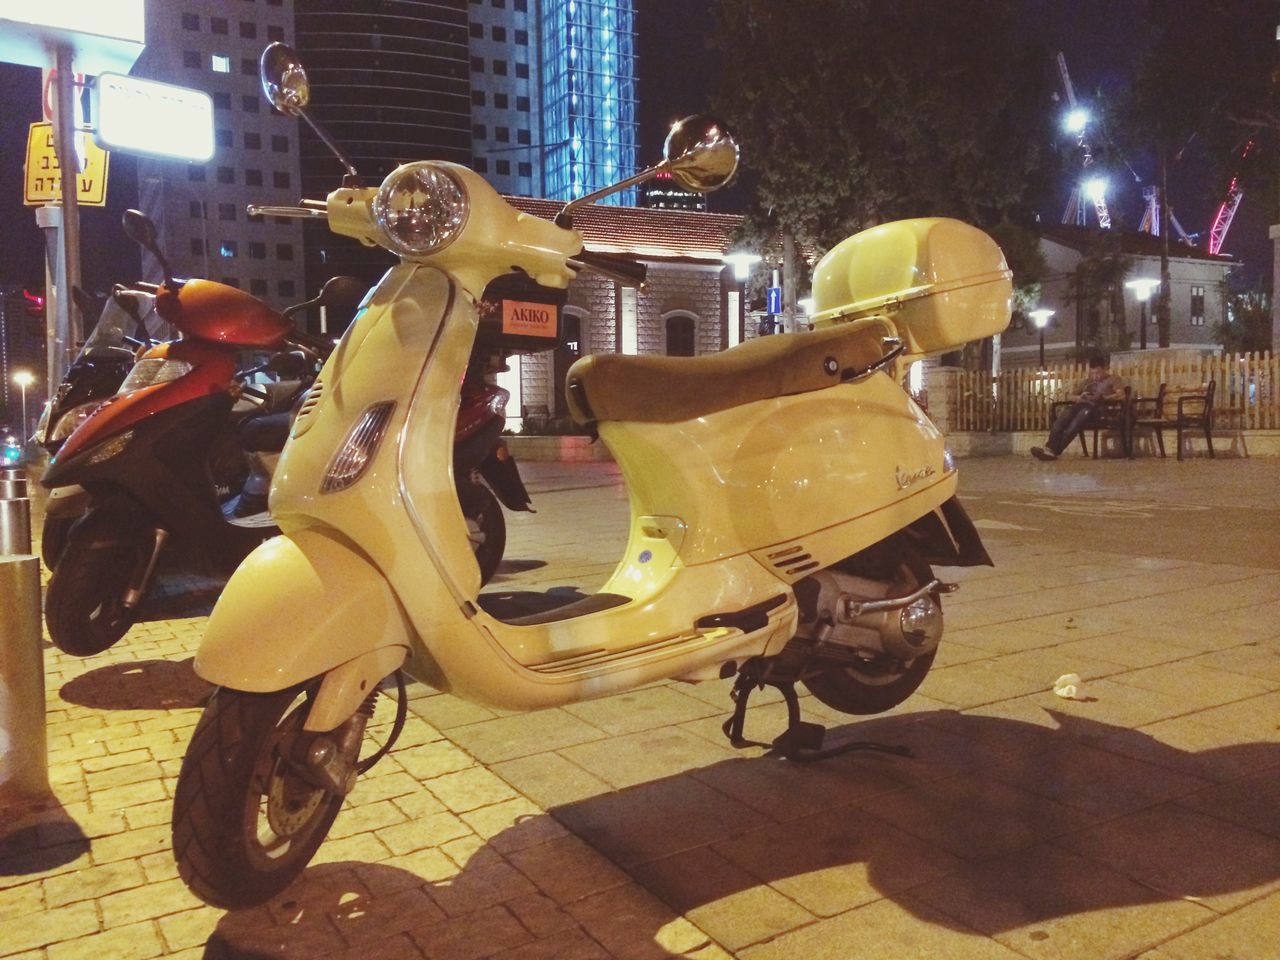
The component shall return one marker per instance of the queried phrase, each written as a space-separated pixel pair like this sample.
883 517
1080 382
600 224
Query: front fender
301 605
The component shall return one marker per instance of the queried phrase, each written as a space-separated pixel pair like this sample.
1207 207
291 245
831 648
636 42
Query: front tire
84 609
244 824
53 539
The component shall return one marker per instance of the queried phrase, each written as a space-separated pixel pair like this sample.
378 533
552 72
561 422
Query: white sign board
102 34
160 119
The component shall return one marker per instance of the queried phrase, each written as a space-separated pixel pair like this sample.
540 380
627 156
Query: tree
855 112
1099 292
1205 83
1248 324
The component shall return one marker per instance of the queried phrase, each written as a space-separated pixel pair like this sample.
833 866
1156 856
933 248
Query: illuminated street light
1142 288
24 379
1040 317
742 263
1076 120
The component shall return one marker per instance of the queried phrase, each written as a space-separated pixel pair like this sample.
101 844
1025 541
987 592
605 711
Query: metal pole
1142 336
24 758
1042 348
69 170
15 515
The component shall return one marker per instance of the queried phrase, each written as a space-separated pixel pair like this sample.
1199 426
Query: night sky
1100 39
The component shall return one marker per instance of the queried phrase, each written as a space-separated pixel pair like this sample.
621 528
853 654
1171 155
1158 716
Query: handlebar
307 209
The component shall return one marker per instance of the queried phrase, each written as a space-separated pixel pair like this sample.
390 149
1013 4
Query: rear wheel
883 684
245 824
486 527
84 609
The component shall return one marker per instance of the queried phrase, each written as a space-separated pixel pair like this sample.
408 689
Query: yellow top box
941 282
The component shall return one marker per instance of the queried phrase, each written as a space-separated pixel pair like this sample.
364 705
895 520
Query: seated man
1101 384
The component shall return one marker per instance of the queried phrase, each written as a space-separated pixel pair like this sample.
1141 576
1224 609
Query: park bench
1114 415
1179 409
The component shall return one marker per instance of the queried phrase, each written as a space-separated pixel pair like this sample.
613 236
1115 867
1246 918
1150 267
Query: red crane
1227 209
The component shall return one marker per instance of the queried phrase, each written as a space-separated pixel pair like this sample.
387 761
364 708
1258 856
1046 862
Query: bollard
24 758
15 516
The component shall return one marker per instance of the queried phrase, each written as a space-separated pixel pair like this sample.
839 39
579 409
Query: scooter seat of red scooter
648 389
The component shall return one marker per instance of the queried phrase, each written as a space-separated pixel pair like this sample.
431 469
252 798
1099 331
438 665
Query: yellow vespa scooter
788 499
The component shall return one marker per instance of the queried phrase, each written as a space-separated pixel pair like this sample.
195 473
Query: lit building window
220 64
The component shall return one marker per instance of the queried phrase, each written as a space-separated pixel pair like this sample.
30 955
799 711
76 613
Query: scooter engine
868 616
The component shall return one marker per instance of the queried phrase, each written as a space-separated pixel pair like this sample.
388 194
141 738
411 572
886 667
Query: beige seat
649 389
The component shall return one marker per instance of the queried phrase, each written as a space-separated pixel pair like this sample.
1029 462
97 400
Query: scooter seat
648 389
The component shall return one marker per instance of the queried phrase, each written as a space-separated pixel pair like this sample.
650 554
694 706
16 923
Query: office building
199 208
553 95
389 81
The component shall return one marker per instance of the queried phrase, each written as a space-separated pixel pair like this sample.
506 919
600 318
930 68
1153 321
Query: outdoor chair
1194 411
1114 415
1146 411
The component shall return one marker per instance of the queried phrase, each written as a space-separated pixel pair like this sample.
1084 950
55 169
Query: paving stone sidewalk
1142 820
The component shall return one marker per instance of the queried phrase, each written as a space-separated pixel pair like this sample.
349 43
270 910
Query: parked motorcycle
126 326
788 499
160 460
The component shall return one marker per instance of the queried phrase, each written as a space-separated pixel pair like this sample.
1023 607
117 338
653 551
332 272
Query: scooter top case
941 282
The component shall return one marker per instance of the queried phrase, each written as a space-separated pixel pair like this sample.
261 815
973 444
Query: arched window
682 329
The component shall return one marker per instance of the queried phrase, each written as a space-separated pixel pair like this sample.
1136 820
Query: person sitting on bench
1100 385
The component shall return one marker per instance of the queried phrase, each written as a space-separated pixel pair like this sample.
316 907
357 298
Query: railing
1247 395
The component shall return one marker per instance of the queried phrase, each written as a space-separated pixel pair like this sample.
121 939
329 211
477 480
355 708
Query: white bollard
24 756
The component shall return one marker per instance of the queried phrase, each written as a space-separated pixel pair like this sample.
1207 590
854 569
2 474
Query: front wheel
84 609
53 539
245 824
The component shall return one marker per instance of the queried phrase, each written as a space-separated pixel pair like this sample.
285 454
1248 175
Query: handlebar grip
617 266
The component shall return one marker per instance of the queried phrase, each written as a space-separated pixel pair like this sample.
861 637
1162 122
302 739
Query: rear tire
84 609
878 687
244 825
486 528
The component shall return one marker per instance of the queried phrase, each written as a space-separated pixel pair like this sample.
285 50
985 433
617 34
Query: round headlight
420 208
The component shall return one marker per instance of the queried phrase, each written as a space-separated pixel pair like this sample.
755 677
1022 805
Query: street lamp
742 262
24 379
1142 288
1040 317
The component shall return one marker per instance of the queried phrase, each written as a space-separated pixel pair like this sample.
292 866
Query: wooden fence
1246 393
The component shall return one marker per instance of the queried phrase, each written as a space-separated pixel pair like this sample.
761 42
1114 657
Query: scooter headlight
152 370
68 422
420 208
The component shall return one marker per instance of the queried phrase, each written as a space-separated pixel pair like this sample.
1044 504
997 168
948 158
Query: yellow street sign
42 182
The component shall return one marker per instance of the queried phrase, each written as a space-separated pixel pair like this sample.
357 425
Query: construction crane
1227 209
1092 189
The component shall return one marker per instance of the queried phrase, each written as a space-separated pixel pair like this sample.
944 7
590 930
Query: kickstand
801 741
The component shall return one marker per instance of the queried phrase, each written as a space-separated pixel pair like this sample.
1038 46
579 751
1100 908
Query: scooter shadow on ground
139 685
995 826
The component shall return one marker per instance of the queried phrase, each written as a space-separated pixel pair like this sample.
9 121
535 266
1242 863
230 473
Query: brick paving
1139 821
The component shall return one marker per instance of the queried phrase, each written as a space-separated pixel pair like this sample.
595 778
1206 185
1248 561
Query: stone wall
671 287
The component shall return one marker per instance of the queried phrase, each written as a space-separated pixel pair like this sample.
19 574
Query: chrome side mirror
284 81
700 153
285 84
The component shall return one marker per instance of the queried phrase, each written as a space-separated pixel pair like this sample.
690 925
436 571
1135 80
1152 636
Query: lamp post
24 379
1142 288
742 262
1040 317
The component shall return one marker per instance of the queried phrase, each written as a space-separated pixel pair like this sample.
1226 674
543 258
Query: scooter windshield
115 327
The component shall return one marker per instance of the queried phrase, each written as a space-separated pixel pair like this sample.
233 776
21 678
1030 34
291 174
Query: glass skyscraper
588 96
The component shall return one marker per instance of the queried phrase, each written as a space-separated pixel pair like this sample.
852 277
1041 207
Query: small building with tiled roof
1115 318
691 304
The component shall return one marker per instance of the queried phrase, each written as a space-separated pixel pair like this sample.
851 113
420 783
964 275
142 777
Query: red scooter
155 458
